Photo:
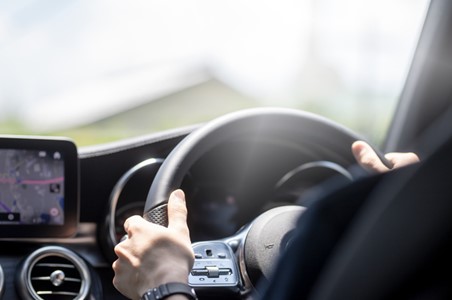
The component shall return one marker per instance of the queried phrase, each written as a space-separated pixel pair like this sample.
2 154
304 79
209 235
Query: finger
132 224
121 280
402 159
367 158
177 212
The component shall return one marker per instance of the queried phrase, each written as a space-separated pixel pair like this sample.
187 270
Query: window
103 70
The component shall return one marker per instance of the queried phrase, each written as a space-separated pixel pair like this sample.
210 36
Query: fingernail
179 194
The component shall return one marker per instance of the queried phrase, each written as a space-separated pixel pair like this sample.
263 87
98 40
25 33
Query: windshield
98 71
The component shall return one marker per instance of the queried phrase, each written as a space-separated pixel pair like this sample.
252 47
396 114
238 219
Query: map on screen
31 187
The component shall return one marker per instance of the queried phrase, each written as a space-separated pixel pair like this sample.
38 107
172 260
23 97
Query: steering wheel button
213 271
216 269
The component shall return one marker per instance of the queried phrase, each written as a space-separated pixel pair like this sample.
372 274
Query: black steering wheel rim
270 122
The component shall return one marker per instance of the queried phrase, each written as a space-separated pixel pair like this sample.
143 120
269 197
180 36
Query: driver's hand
369 160
152 254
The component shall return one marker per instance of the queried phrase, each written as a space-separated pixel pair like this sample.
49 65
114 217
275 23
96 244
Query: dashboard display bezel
69 154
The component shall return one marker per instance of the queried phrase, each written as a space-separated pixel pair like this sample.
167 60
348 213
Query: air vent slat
56 293
47 278
55 265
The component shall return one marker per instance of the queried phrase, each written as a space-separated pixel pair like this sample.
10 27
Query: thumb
367 158
177 212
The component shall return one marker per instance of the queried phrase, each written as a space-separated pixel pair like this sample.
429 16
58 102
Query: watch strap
168 289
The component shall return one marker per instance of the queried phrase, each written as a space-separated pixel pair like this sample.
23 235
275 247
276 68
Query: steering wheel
259 243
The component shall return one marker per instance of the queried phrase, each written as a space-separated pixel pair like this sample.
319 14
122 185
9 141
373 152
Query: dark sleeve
318 231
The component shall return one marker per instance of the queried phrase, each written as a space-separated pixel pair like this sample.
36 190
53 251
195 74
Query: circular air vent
54 273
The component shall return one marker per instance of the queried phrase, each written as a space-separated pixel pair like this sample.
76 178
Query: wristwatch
168 289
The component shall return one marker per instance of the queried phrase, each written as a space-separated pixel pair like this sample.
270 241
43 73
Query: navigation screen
31 187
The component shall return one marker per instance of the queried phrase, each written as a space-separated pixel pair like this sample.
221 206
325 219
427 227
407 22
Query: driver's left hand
152 254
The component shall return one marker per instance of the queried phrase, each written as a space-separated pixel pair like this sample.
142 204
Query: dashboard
62 209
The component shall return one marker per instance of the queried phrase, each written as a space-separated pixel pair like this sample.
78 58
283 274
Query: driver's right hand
369 160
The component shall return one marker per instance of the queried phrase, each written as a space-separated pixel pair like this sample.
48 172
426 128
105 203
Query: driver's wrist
164 276
172 291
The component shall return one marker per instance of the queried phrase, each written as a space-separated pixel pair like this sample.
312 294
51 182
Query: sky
63 63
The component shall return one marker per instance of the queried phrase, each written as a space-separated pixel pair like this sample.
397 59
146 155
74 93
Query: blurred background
99 71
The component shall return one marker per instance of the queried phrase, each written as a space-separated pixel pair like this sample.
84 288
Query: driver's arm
152 254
